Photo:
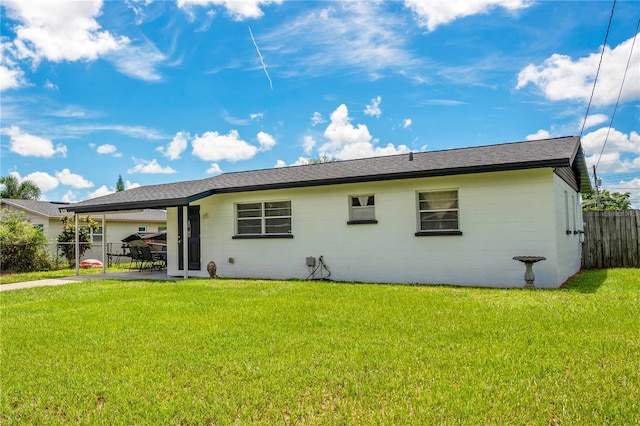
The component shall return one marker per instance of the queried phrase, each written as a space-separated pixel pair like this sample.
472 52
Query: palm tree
25 190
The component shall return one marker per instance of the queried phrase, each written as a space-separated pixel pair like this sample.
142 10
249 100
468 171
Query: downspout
77 245
104 244
185 241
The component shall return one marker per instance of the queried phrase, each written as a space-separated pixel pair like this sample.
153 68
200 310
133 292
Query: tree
324 158
119 184
67 238
25 190
605 200
23 247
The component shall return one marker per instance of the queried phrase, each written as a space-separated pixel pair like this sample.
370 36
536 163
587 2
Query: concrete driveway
133 275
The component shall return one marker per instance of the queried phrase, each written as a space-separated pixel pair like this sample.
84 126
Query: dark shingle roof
52 210
555 153
42 208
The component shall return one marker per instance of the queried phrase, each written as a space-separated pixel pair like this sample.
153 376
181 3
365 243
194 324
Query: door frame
192 228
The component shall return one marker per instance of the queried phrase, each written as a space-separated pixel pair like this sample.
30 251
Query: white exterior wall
568 227
501 215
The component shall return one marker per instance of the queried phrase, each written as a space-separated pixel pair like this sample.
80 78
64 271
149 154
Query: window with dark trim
362 209
269 219
438 213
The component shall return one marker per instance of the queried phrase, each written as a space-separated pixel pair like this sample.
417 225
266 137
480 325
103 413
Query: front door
193 238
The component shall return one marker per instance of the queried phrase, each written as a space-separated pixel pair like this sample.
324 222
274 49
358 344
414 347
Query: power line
593 89
619 93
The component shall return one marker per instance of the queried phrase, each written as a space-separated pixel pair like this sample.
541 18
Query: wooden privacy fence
611 239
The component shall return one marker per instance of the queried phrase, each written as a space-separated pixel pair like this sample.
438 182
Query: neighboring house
46 216
445 217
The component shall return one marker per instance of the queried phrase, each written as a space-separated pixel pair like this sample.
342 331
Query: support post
104 244
185 241
77 244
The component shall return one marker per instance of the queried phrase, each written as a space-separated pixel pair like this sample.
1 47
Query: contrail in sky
264 67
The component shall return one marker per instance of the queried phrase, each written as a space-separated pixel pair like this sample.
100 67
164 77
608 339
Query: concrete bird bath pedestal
528 273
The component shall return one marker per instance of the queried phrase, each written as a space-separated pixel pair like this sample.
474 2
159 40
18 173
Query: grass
276 352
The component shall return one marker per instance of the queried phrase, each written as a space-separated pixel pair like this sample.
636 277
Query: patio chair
148 259
136 259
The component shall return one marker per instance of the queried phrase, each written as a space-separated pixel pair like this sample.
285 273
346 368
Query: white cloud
176 147
621 152
103 190
308 143
212 146
106 149
214 169
139 62
373 109
137 6
632 187
256 116
32 146
11 78
60 30
238 9
149 167
130 185
69 197
594 120
432 14
317 118
346 141
617 141
407 123
343 35
540 134
562 78
44 180
301 161
71 179
140 132
266 141
49 85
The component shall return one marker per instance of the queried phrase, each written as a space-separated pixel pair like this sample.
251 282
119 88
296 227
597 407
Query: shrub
68 236
23 248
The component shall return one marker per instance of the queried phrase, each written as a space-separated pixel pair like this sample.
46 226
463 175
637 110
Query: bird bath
528 273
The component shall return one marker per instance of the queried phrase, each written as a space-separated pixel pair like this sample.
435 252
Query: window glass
96 236
438 210
273 217
362 207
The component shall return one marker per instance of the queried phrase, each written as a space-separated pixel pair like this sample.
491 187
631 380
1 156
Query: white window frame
264 217
455 208
95 236
362 214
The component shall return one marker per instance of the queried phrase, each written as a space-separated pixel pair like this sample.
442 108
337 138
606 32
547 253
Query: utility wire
593 89
619 93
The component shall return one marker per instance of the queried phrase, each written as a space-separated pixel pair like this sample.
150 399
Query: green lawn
276 352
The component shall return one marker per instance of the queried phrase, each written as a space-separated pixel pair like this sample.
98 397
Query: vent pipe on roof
411 156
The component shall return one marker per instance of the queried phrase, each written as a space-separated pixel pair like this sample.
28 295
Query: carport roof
564 152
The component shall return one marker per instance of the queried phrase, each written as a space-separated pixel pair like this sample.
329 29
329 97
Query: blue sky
165 91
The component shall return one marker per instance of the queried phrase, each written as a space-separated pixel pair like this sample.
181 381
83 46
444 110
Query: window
362 209
96 236
438 213
566 212
264 219
573 204
39 227
162 228
142 229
